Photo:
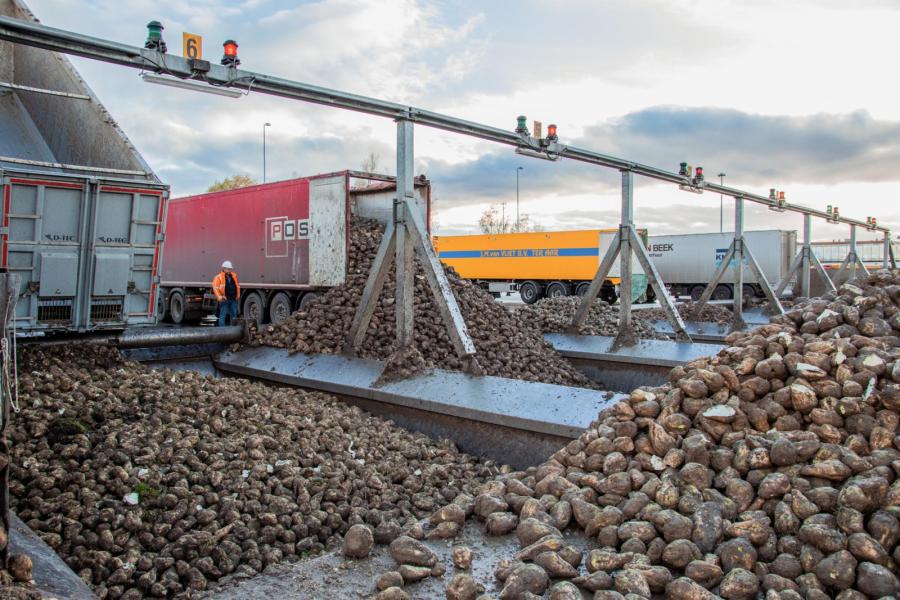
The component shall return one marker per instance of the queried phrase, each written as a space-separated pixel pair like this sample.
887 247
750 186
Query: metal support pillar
405 235
9 291
737 308
404 275
737 252
889 251
888 261
804 261
804 253
626 335
626 242
852 261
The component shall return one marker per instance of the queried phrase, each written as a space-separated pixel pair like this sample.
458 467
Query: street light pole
721 213
517 196
264 149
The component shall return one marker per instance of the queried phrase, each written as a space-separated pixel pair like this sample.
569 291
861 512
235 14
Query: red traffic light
551 132
230 58
698 172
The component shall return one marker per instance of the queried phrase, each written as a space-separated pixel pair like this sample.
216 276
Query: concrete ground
331 576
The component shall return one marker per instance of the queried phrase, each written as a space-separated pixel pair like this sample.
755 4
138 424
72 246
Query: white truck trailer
687 262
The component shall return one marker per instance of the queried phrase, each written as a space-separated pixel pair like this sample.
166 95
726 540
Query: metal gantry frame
623 244
735 257
802 264
852 260
67 42
406 234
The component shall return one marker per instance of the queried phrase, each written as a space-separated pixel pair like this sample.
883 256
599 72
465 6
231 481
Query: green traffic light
154 37
154 31
521 127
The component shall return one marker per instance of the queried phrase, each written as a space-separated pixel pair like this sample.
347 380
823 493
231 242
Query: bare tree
370 163
493 221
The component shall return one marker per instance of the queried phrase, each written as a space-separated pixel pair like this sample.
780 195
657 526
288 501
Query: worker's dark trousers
227 309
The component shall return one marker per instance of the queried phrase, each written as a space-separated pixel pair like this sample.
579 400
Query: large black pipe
179 336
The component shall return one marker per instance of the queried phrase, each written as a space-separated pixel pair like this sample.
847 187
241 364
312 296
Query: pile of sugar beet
767 471
159 483
555 315
505 347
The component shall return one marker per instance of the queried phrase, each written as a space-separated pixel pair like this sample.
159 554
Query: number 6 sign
192 45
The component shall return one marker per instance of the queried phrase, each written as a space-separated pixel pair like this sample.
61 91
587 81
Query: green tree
232 183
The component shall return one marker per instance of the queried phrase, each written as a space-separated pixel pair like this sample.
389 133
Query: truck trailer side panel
546 256
693 258
272 234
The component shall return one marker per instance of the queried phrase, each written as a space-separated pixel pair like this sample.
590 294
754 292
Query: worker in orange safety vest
228 292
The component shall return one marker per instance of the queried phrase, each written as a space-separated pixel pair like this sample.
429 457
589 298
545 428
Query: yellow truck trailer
537 264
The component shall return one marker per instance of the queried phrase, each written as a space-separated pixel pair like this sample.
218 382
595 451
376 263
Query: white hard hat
227 265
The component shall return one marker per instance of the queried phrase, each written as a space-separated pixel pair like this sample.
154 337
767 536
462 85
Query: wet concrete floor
331 576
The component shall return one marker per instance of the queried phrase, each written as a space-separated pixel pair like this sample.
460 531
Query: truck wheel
307 299
697 291
722 292
608 294
252 310
581 289
557 289
176 307
161 313
749 291
530 292
279 308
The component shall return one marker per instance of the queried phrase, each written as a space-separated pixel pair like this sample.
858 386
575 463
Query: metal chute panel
59 119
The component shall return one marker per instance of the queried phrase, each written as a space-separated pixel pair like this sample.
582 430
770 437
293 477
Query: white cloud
579 63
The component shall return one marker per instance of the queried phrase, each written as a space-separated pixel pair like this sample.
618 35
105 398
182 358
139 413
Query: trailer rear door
127 231
43 221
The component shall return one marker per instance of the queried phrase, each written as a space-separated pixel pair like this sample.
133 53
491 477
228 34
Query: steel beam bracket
198 65
399 211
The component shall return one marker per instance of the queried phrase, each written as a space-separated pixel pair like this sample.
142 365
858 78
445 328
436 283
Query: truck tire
582 288
161 313
608 293
557 289
697 291
307 299
749 292
176 307
279 308
530 292
253 309
722 292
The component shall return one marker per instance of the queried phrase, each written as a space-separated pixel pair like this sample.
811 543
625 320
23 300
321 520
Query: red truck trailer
287 241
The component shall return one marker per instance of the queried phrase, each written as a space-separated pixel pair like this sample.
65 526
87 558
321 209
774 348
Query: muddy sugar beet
768 471
159 483
504 348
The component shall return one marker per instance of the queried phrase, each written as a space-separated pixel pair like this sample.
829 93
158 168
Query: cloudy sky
795 95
